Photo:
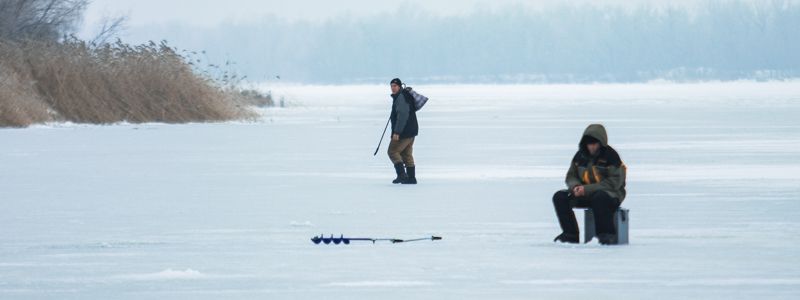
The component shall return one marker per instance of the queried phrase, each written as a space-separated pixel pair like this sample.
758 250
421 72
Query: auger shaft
343 240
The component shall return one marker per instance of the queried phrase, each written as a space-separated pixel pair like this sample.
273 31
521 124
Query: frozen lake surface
226 211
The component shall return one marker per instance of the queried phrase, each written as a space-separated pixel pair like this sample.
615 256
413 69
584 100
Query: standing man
404 130
596 179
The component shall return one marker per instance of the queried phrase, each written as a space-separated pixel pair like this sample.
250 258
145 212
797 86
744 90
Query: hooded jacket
604 171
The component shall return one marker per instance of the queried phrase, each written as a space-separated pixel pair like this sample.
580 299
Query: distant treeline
714 40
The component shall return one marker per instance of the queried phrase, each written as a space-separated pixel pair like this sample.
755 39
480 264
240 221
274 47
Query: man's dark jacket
404 115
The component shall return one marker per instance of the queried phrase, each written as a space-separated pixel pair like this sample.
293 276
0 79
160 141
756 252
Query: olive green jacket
604 171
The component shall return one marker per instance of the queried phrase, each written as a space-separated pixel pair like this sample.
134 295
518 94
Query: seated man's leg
566 218
604 208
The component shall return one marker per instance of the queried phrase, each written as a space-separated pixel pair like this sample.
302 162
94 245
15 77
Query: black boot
412 175
569 225
567 238
401 173
607 239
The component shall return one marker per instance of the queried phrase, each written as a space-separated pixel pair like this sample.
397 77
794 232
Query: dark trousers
601 204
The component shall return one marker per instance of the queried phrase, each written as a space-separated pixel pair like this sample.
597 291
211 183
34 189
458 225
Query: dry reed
77 82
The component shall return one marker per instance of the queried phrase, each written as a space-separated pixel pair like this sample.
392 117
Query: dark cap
396 81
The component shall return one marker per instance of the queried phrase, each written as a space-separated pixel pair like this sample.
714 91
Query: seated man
596 179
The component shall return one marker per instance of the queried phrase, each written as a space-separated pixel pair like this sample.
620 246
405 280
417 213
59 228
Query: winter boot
401 173
569 225
412 175
607 239
567 238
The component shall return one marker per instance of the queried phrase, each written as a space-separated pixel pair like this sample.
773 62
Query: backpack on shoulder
419 100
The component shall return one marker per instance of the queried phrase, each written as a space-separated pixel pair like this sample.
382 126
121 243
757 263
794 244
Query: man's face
593 148
395 88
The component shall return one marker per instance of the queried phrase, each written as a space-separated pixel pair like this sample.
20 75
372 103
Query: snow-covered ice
210 211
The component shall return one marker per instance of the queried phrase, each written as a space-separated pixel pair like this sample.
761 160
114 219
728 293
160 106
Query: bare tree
110 27
40 19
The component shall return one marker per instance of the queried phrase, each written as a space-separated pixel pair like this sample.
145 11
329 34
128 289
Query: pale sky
210 12
184 22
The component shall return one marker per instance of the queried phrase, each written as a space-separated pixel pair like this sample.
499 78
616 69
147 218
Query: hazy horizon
476 40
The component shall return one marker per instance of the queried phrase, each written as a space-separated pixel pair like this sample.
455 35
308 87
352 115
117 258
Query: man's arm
572 177
403 110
